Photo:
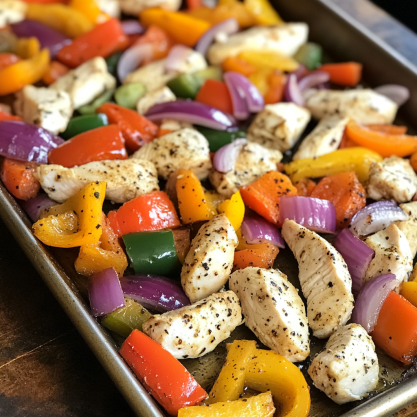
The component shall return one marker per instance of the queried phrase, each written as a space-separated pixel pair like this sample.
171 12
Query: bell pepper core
81 124
343 160
76 222
152 252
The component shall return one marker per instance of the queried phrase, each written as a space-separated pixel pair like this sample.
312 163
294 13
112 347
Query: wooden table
46 369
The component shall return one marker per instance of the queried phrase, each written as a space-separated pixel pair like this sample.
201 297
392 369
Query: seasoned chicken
125 179
209 261
173 125
110 7
278 126
392 254
363 106
393 178
154 75
134 7
45 107
324 278
193 331
183 149
161 95
12 11
325 138
86 82
409 227
253 161
347 369
284 39
273 310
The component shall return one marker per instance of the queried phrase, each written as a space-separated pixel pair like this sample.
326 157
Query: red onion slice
132 27
225 158
375 217
34 206
300 72
292 91
132 58
26 142
156 293
191 112
254 100
228 26
255 229
397 93
313 213
357 255
240 107
105 292
314 79
176 57
370 300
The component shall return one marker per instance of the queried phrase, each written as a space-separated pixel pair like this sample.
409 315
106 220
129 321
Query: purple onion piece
36 205
225 158
256 229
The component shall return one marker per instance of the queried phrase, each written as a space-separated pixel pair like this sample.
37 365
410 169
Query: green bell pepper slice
128 95
152 252
310 54
112 62
95 104
80 124
184 86
217 138
209 73
125 319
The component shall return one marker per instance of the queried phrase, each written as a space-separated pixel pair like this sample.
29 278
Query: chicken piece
392 254
134 7
125 179
324 277
347 369
393 178
174 125
273 310
12 11
285 39
364 106
253 161
278 126
195 330
325 138
155 76
50 109
110 7
161 95
209 261
86 82
409 227
183 149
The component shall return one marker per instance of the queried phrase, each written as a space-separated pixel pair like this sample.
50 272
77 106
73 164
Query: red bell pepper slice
103 143
104 40
163 375
216 94
153 211
136 130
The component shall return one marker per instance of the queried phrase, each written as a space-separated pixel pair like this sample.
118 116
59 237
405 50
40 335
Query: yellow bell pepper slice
14 77
264 13
90 10
192 201
59 228
27 47
182 27
260 79
261 405
230 383
213 200
270 371
269 60
234 209
343 160
60 17
409 292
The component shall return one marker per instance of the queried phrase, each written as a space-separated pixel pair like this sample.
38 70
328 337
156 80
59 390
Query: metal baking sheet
342 38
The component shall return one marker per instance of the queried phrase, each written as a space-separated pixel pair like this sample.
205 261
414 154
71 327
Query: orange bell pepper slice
159 39
215 94
384 143
104 40
90 10
276 87
345 73
233 63
55 70
182 27
7 59
28 71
